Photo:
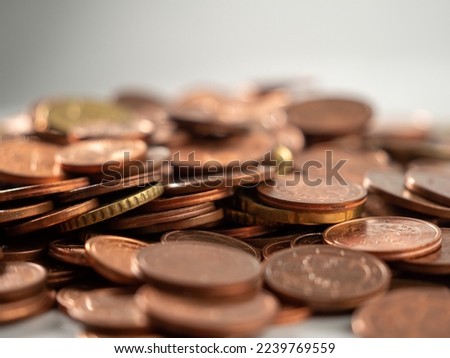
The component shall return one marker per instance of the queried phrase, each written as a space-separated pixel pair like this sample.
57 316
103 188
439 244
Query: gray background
396 53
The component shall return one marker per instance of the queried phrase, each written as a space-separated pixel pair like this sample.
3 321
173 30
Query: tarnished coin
28 162
429 183
388 237
201 268
108 309
13 212
20 279
276 246
313 238
69 250
326 278
437 263
330 117
92 156
421 312
211 237
112 257
196 317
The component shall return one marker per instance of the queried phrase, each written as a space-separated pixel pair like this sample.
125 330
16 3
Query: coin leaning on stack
147 219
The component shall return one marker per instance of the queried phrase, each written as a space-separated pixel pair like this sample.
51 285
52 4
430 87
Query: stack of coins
213 215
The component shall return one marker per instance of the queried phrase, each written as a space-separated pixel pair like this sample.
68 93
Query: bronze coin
437 262
14 212
112 257
23 250
67 297
196 317
182 201
430 184
70 251
107 309
143 220
330 117
245 232
42 189
52 218
28 162
313 238
326 278
389 184
273 247
90 156
389 237
292 192
211 237
113 209
289 314
20 279
421 312
202 268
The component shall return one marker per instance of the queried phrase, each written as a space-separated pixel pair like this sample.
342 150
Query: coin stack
220 215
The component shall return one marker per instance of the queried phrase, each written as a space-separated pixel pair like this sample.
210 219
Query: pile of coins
218 215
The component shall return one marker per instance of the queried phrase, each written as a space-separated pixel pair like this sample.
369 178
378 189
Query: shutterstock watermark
214 174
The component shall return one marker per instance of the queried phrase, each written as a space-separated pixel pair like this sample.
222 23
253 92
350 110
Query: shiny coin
12 212
430 184
70 251
245 232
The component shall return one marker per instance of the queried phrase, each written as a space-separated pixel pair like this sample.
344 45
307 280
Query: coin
23 250
421 312
431 184
389 237
289 314
112 257
313 238
15 211
28 162
69 250
52 218
113 208
330 117
96 155
437 263
326 278
20 279
67 296
245 232
211 237
188 315
273 247
201 268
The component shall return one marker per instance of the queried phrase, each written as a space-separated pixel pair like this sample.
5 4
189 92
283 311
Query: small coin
23 250
273 247
202 268
245 232
429 183
211 237
113 209
313 238
389 237
52 218
69 250
112 257
326 278
20 279
15 211
196 317
289 314
421 312
28 162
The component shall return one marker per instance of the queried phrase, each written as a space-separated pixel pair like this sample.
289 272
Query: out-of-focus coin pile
220 215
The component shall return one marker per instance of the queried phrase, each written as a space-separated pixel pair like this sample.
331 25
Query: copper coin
199 221
29 306
330 117
211 237
14 212
289 314
196 317
245 232
113 209
389 184
20 279
52 218
202 268
90 156
431 184
112 310
23 250
292 192
326 278
143 220
187 200
388 237
437 262
421 312
273 247
112 257
313 238
42 189
67 297
69 251
28 162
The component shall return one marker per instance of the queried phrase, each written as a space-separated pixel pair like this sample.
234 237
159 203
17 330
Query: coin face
326 278
389 237
420 312
203 268
208 318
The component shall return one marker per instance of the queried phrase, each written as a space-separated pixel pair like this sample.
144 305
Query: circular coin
17 212
429 183
69 251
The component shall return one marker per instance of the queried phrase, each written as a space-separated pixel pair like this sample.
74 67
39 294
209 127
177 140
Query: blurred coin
313 238
245 232
289 314
429 183
276 246
23 250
